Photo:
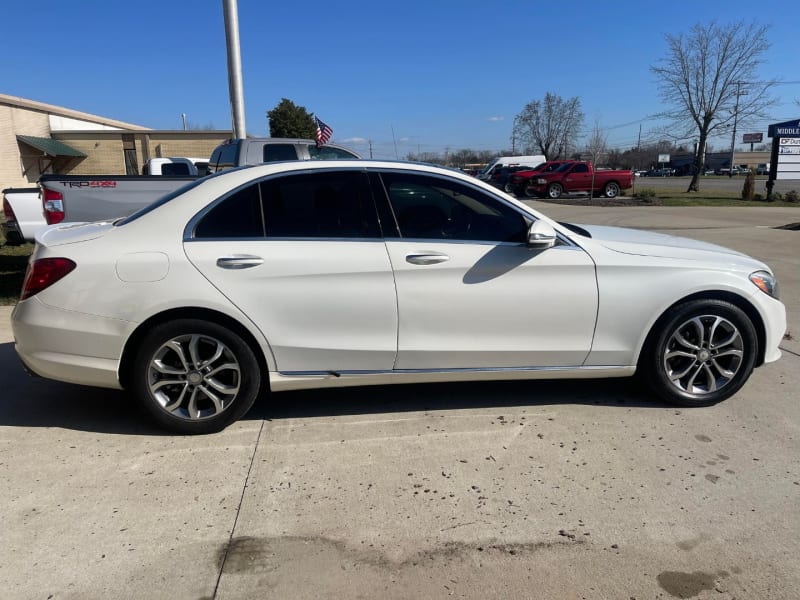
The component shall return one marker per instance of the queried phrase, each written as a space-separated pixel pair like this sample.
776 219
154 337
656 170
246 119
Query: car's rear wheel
193 376
554 191
702 353
611 190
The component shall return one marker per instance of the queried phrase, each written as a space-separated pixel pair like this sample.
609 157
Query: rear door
301 255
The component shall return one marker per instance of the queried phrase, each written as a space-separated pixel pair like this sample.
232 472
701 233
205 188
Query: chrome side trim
296 380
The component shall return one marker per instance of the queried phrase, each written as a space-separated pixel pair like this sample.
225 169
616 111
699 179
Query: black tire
193 377
554 191
530 192
508 188
611 189
700 353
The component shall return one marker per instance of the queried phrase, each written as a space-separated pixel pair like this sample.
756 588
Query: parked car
762 169
529 161
295 275
501 177
580 176
520 181
176 166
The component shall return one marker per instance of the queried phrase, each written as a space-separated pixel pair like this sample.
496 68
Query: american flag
324 133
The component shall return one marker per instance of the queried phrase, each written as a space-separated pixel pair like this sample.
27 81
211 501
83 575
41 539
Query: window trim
191 226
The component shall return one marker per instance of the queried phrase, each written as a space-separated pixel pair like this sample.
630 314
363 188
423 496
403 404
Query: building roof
66 112
50 147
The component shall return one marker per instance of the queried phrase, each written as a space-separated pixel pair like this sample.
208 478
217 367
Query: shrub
792 196
749 187
646 194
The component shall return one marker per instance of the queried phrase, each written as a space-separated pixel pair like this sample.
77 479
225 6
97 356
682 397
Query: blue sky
410 76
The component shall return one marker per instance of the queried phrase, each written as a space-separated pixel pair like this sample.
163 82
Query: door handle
426 259
239 262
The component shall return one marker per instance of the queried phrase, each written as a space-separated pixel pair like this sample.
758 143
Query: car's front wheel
554 191
193 376
702 353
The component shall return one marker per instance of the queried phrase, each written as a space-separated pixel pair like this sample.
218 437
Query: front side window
432 208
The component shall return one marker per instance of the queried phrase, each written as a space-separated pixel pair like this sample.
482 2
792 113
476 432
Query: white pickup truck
95 197
23 215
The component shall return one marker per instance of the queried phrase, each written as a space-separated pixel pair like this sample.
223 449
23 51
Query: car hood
71 233
649 243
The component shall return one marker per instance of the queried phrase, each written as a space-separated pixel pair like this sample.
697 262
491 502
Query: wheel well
735 299
129 352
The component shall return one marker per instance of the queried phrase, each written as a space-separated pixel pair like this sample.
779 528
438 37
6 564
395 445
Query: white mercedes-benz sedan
340 273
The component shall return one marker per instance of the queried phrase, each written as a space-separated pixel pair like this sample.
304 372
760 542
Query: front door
470 292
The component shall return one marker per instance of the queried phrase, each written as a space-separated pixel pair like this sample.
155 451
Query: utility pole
735 118
370 148
183 118
235 87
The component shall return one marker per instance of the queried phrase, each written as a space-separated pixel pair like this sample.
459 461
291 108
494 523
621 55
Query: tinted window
237 216
328 153
275 152
223 157
320 205
432 208
175 170
580 169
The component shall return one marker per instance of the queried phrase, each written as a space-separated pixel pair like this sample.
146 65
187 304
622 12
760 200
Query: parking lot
579 489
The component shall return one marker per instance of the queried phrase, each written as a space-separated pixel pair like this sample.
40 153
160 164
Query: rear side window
335 204
237 216
276 152
223 157
302 205
329 153
175 170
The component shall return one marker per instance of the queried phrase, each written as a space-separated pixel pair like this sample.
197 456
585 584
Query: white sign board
662 158
788 158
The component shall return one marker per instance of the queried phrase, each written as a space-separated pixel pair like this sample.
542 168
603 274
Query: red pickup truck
518 184
580 176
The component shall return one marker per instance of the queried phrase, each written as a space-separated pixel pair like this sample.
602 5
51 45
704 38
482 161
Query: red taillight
7 211
53 204
43 273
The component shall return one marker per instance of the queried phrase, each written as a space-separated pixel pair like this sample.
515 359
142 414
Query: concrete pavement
584 489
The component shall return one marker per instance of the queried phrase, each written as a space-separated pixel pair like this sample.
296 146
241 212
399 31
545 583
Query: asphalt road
583 489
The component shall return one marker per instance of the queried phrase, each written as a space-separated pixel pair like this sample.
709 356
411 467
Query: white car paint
333 312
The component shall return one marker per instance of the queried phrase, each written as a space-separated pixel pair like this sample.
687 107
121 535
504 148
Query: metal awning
50 147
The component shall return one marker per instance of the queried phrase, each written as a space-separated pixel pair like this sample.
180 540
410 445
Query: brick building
38 138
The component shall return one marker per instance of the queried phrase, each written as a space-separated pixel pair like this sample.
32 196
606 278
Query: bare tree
597 147
549 125
708 78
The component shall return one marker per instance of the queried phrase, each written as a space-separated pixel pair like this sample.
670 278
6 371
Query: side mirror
541 235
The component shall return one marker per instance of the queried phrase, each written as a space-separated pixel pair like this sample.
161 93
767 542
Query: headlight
541 181
766 282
